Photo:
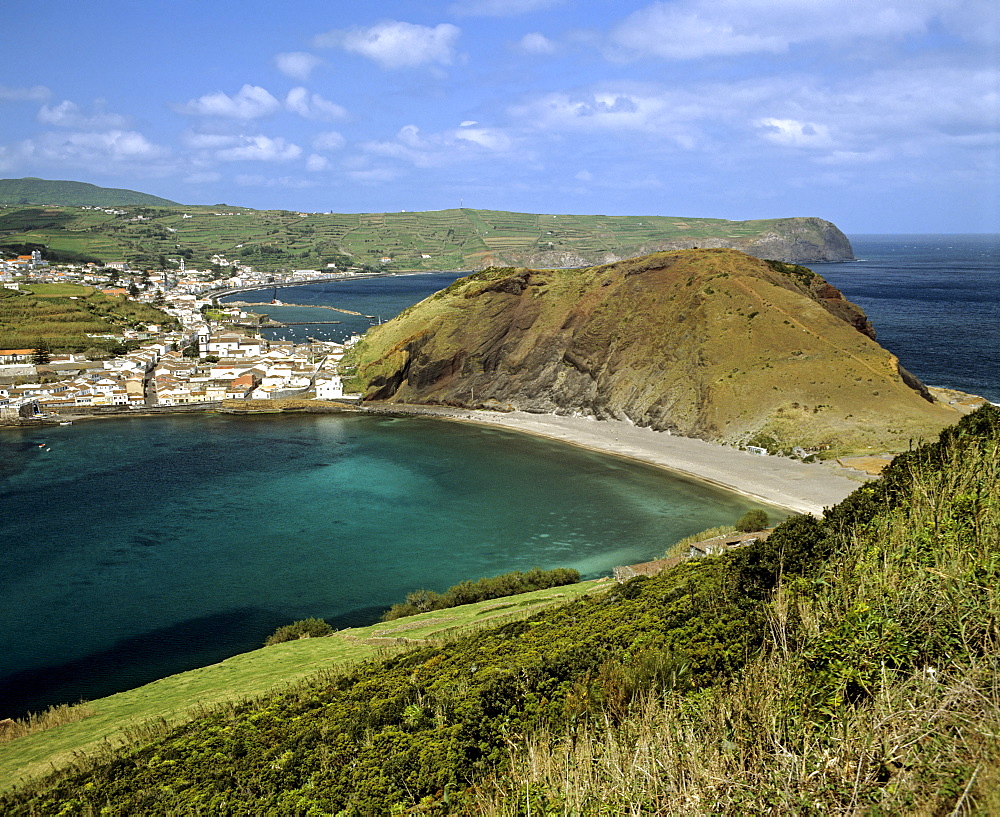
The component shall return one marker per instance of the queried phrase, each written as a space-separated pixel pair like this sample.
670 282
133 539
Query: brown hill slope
705 343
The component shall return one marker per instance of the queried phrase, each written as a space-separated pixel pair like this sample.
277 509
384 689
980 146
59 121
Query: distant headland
143 230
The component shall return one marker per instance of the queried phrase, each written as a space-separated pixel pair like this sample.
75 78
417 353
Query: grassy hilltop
44 191
706 343
844 665
147 236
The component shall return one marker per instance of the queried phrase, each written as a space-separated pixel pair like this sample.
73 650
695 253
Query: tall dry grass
12 729
879 691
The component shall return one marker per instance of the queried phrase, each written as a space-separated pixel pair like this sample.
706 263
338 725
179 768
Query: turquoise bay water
140 547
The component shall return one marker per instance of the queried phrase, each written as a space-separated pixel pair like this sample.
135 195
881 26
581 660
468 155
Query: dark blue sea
934 301
133 549
381 298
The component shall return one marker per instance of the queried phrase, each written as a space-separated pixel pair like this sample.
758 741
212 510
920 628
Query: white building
329 387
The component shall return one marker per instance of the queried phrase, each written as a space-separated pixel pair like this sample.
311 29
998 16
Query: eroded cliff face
707 343
792 240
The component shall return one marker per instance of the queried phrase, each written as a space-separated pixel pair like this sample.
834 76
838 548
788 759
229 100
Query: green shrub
752 520
305 628
469 592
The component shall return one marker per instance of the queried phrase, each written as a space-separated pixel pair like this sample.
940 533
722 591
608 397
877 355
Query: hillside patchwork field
462 239
70 318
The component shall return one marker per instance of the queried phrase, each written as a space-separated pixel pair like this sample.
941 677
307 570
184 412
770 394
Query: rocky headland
707 343
793 240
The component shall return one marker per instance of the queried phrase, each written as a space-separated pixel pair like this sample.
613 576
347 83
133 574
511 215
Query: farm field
69 318
157 237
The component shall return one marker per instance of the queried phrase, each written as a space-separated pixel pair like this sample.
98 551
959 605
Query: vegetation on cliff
150 235
705 343
31 190
841 665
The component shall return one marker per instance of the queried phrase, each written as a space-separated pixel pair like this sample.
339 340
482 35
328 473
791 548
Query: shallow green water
140 547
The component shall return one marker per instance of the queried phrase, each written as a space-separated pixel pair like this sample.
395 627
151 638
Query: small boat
65 422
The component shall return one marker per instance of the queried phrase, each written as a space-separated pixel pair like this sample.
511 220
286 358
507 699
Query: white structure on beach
329 387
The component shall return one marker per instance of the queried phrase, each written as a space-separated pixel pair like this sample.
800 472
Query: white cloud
208 141
36 93
439 149
914 110
691 29
793 133
250 102
260 149
328 140
397 45
535 43
68 115
373 175
316 163
584 176
290 182
95 148
855 157
297 64
601 109
313 106
500 8
488 138
675 32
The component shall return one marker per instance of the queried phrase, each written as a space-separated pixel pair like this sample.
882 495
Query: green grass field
64 316
58 290
177 698
279 239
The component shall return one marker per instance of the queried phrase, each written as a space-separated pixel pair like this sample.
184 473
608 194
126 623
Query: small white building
329 387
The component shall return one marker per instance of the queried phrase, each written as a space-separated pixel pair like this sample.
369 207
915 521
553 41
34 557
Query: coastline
805 488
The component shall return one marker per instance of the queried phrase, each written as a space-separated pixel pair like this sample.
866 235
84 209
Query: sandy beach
790 484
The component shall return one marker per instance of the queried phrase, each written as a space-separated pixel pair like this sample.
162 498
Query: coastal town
211 356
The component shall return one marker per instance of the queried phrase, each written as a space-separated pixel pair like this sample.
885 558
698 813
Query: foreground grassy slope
841 666
151 708
439 240
706 343
875 693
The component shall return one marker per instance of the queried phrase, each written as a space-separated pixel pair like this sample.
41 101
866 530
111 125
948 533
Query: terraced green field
148 237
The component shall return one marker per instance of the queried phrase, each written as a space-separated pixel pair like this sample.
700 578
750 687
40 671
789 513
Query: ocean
137 548
934 301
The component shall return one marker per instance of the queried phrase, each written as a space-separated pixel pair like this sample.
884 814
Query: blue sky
880 115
